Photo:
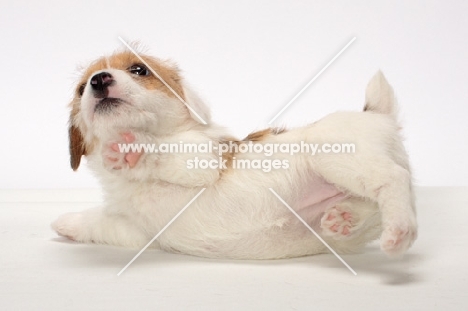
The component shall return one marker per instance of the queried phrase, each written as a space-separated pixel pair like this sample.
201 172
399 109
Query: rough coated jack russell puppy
348 198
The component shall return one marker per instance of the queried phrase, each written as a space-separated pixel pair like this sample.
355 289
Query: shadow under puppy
348 198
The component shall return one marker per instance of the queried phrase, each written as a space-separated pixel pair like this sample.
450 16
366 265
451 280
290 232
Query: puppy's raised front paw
117 154
70 226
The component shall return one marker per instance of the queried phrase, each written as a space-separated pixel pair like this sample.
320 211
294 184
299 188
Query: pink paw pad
396 240
337 223
115 159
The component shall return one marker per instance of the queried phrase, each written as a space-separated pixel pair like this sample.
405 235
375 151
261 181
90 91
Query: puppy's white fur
350 199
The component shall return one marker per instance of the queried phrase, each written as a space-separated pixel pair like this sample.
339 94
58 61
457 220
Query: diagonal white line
162 80
313 231
311 81
160 232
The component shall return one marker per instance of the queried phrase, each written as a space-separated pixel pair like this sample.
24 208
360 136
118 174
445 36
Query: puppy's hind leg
385 182
380 170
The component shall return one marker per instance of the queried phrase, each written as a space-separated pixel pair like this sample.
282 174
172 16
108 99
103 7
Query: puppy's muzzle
100 84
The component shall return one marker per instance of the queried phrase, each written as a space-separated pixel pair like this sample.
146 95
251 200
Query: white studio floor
39 271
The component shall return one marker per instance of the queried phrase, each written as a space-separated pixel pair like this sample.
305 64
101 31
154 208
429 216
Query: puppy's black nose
100 82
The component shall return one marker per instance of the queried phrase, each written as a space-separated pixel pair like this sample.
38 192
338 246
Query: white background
247 59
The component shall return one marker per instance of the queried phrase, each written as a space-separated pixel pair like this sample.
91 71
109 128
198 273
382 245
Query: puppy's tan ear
77 147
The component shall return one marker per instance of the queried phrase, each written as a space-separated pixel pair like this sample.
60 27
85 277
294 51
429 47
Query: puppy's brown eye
81 89
139 70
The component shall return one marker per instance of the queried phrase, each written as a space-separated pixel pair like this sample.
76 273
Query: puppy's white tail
380 97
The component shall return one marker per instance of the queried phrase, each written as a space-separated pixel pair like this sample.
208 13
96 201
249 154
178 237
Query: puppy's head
121 93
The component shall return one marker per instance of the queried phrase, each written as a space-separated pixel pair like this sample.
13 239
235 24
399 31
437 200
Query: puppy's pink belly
319 196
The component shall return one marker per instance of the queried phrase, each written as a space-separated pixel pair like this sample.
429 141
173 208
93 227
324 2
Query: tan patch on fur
261 135
76 145
254 137
229 156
